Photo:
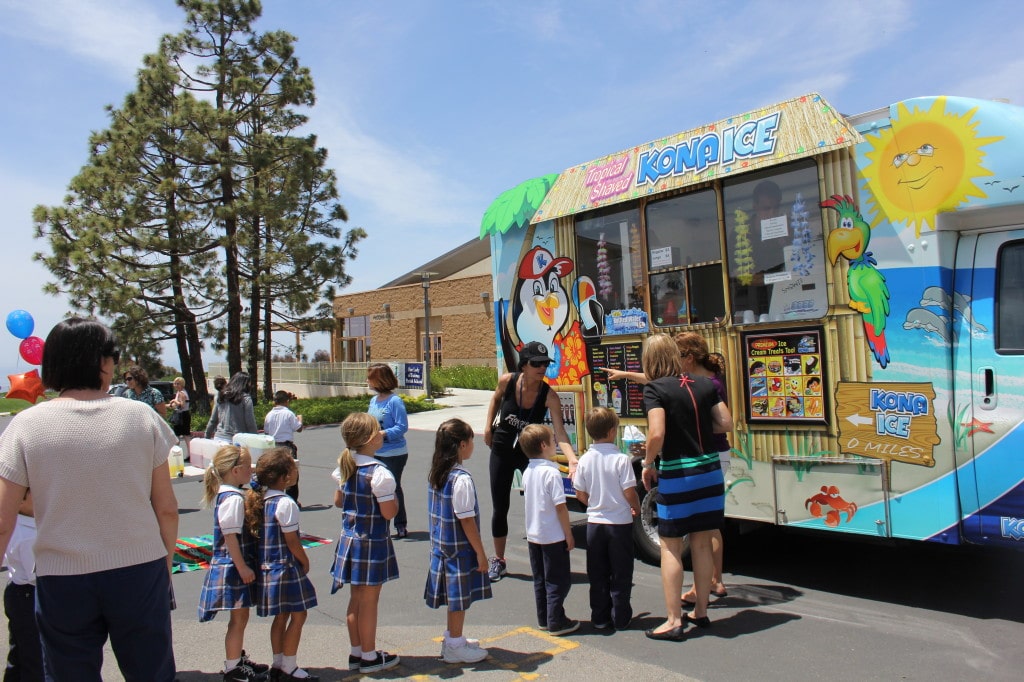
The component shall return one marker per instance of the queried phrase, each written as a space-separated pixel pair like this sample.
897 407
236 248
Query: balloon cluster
801 255
742 251
604 270
27 386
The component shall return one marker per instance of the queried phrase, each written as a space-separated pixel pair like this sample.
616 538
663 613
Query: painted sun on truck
862 275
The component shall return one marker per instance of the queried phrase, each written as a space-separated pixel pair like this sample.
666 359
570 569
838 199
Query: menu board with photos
625 397
783 377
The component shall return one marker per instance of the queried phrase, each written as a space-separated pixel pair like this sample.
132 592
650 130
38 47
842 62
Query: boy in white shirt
547 530
282 424
605 482
24 657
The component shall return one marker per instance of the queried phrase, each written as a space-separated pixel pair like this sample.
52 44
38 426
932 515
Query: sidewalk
465 403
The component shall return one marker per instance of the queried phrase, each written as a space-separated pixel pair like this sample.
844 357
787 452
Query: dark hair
533 437
219 383
273 466
769 190
282 397
139 375
599 421
238 388
381 378
73 354
450 435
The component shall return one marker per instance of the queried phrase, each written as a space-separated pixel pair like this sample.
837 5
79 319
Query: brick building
389 323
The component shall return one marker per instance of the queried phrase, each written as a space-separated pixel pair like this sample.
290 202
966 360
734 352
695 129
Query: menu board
783 377
625 397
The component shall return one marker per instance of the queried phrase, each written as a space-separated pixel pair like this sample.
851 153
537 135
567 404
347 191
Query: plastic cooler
256 442
202 450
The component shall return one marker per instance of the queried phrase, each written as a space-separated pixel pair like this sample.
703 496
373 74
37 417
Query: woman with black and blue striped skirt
684 411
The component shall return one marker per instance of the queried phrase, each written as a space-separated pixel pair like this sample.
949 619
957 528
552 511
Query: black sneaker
354 662
258 668
383 661
564 628
244 673
288 677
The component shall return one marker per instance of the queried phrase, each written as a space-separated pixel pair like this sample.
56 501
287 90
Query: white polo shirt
542 485
604 473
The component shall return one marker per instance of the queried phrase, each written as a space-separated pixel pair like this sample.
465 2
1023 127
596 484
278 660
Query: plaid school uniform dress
223 589
283 589
454 578
365 554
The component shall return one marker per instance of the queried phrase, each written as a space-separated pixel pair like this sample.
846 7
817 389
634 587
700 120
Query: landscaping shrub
463 376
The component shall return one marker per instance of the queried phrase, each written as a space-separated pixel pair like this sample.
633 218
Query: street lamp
427 346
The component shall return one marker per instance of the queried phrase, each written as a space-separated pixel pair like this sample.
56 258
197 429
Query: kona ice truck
862 275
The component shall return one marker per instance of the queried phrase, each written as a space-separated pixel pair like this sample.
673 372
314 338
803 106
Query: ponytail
450 435
225 459
357 430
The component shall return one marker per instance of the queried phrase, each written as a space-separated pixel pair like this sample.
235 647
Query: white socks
229 665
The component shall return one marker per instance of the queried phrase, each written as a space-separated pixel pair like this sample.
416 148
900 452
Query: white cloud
112 33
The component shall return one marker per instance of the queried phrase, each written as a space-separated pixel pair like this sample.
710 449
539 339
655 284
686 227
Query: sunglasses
127 379
538 363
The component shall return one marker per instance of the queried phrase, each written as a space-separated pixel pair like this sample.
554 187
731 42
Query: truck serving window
1010 299
608 255
685 260
774 236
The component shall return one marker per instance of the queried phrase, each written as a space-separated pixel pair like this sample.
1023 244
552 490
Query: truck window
685 260
1010 299
774 236
608 253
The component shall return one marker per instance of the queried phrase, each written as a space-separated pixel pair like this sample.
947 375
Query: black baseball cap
534 351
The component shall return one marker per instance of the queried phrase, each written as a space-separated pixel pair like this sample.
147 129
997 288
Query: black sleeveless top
513 418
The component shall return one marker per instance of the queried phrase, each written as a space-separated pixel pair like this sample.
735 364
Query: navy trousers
396 465
130 605
552 579
610 570
25 656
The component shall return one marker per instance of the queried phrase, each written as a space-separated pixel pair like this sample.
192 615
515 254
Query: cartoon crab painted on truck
829 497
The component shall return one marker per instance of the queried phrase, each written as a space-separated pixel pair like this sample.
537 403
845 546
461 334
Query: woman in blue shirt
389 411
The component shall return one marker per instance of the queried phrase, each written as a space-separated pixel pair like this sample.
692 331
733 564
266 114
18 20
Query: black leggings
503 468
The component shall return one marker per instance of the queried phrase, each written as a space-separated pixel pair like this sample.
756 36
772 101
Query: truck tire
645 529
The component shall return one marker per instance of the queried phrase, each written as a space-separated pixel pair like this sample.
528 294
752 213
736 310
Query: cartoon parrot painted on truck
868 292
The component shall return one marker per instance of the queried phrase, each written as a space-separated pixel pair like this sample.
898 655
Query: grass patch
463 376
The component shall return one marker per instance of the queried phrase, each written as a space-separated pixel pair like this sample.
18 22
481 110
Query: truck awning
794 129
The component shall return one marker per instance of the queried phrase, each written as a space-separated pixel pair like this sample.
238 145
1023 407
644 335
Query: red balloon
27 386
32 350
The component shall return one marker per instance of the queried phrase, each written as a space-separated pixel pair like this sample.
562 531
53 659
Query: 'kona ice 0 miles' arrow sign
888 421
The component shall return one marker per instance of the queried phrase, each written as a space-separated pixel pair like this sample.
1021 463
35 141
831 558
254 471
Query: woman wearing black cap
520 399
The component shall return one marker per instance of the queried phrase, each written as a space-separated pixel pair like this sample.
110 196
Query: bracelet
648 465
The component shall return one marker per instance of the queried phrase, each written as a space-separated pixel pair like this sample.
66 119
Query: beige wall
466 320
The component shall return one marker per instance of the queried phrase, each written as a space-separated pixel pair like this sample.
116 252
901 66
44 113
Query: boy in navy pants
605 482
547 530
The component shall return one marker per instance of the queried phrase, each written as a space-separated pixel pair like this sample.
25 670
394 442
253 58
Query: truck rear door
988 411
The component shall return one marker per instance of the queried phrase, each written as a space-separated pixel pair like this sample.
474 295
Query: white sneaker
471 643
462 654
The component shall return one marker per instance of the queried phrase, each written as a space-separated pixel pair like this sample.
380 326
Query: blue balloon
20 323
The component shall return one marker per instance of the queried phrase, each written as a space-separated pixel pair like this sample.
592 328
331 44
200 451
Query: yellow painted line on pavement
560 646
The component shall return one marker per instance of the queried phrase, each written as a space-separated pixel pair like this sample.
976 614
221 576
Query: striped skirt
455 582
691 495
223 590
363 561
284 589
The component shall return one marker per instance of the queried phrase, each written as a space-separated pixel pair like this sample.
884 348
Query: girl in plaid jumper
458 562
284 588
366 557
230 583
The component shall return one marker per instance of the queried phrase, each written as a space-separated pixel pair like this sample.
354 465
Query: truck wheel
645 529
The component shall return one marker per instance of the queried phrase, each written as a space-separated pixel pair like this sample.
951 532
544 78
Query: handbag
176 418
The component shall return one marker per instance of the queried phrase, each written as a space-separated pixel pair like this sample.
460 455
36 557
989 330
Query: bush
317 411
463 376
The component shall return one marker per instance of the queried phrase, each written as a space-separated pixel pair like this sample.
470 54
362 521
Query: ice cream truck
862 275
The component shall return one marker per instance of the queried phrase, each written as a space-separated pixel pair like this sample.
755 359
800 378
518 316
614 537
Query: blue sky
430 109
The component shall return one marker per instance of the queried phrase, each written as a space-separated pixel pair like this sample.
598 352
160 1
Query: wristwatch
649 465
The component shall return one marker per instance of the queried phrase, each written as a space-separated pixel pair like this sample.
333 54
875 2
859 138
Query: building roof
446 265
